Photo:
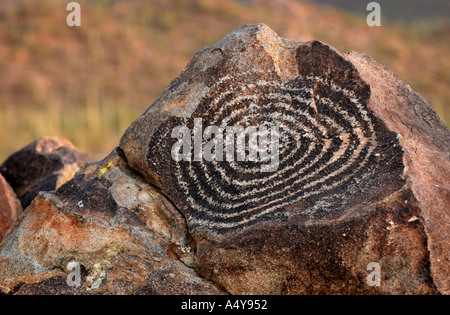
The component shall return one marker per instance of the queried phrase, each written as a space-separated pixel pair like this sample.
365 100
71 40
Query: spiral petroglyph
331 152
316 152
328 140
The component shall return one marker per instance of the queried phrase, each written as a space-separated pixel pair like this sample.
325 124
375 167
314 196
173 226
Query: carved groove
331 151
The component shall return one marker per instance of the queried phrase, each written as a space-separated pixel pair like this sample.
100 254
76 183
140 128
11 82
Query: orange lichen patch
49 231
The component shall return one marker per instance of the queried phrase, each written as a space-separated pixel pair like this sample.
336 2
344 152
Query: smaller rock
10 207
111 224
44 165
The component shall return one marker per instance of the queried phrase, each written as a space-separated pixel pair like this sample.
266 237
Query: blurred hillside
89 83
402 11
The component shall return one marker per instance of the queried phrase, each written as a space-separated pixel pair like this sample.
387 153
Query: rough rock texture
10 207
114 225
362 178
43 165
425 141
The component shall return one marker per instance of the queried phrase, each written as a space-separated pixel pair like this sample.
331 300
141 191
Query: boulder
361 178
268 166
10 207
111 227
43 165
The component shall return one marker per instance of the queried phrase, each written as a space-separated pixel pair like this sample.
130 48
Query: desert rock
113 225
43 165
10 207
360 154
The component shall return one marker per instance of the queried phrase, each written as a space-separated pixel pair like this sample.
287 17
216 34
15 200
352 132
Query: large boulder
361 179
340 185
43 165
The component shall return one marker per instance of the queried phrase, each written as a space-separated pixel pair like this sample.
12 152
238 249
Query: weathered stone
114 225
43 165
425 141
10 207
362 175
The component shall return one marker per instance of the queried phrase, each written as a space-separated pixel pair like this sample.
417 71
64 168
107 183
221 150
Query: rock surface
110 222
43 165
361 183
10 207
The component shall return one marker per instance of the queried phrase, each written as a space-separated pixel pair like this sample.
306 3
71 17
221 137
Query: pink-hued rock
425 141
10 207
362 177
114 225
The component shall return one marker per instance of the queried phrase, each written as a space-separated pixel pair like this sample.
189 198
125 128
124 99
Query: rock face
43 165
111 223
10 207
335 183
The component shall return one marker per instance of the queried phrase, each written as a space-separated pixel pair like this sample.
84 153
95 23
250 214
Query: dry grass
89 83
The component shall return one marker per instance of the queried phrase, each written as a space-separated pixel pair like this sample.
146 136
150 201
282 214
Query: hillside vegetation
89 83
405 11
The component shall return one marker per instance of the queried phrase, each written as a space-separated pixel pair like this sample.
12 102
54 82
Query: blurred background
89 83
